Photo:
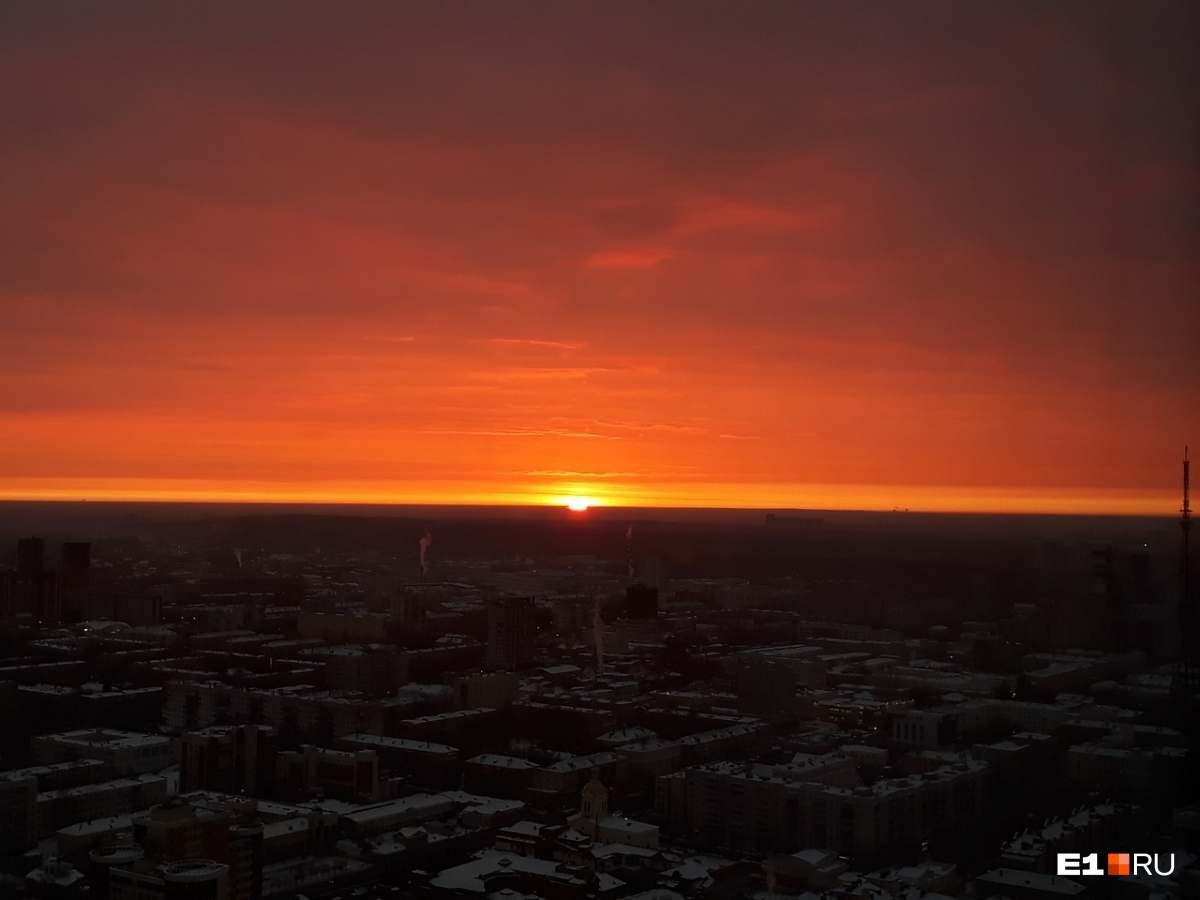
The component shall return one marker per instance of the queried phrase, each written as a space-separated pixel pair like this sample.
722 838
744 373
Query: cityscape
221 703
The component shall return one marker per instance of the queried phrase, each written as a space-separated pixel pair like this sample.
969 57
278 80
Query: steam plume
424 543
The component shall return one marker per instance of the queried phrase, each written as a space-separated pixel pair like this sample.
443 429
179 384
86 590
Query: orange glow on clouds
531 259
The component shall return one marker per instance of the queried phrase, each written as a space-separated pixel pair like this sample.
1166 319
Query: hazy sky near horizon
797 253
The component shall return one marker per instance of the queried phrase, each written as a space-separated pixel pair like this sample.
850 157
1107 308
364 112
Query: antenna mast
1186 681
1185 520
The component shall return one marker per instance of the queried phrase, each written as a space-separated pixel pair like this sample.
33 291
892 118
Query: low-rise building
125 752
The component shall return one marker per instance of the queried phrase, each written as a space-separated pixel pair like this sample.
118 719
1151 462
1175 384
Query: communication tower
1185 682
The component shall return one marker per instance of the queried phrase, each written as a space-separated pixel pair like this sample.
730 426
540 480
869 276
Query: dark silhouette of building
641 602
510 632
48 603
36 590
31 587
8 594
234 759
143 608
75 579
408 609
31 558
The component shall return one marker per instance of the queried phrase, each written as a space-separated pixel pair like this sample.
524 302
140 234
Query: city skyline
938 257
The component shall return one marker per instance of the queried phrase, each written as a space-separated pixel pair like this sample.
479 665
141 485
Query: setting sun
579 504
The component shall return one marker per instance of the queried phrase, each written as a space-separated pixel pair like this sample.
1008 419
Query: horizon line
600 509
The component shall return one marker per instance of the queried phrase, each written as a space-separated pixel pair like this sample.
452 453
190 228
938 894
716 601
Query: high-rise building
47 604
641 602
653 571
408 609
510 632
33 587
74 579
31 558
230 758
8 594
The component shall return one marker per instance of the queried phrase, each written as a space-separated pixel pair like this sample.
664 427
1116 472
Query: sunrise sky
866 255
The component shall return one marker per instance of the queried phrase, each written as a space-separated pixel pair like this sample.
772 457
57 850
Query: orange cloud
811 266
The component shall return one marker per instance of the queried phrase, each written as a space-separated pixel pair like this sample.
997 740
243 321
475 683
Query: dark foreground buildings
916 720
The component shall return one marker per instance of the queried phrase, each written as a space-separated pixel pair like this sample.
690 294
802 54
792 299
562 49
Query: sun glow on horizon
905 294
578 504
918 498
